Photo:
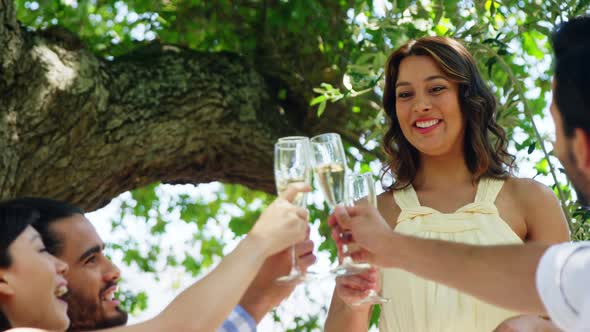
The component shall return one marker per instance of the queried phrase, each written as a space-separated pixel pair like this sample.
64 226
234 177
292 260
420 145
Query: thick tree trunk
82 129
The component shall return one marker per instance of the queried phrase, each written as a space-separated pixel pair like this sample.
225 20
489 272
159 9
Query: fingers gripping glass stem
292 164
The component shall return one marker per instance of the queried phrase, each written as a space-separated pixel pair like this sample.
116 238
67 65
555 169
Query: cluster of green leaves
145 206
511 43
509 39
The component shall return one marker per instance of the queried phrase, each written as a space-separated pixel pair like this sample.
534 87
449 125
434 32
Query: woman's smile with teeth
426 124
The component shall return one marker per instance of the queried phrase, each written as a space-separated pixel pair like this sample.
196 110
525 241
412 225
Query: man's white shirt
563 283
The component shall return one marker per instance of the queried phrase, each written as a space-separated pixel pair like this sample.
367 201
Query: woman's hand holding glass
360 189
353 289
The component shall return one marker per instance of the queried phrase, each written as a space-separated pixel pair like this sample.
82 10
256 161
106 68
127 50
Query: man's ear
5 285
581 150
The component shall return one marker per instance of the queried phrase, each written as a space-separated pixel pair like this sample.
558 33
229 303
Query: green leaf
530 45
191 265
239 226
531 148
321 108
317 100
282 95
159 227
490 63
375 315
581 7
542 167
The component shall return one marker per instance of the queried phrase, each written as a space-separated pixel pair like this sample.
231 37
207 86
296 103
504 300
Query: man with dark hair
533 278
92 277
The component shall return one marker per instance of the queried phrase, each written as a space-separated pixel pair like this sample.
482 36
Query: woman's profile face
32 287
427 107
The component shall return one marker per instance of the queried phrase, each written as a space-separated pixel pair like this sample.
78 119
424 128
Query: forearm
501 275
342 317
206 304
256 305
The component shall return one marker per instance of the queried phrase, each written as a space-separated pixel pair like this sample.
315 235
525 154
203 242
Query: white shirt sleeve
584 321
563 277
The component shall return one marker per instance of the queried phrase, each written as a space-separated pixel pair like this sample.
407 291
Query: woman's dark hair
486 145
14 219
50 211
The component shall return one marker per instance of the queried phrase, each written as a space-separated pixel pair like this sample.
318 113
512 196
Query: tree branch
7 16
529 114
11 41
85 129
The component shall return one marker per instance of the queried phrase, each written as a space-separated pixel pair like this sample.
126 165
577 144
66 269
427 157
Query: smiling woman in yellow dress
451 167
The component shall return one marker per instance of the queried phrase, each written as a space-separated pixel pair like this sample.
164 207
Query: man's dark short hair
571 45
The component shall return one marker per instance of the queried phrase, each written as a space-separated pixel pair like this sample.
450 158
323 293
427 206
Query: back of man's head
571 44
50 211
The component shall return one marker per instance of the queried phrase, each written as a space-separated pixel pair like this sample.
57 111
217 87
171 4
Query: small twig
529 114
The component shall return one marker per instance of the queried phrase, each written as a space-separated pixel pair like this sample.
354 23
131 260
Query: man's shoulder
561 280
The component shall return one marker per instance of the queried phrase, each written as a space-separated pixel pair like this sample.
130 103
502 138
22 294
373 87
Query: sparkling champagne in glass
329 163
291 164
361 190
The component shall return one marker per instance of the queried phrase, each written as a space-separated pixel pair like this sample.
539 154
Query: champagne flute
362 187
307 144
291 164
329 161
294 138
309 274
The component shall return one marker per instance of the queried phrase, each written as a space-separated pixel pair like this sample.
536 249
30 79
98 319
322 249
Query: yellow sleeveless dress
419 305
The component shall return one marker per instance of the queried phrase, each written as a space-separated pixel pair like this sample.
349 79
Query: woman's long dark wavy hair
486 145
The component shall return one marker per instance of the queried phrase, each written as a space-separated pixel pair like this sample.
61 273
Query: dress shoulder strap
488 189
406 198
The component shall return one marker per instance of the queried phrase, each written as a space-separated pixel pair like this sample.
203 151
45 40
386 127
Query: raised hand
282 224
353 289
